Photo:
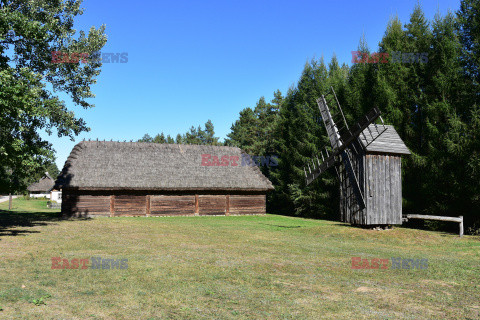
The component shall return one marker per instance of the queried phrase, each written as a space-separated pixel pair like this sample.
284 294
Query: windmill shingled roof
153 166
388 142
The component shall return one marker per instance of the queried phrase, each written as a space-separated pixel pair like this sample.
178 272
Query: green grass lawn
250 267
24 205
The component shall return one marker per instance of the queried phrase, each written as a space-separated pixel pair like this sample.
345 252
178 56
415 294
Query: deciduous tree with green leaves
30 31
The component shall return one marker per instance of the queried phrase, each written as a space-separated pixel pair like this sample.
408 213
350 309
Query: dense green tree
209 134
443 87
30 31
469 31
50 167
359 95
244 131
193 136
146 138
179 139
464 139
300 137
391 80
254 132
159 138
170 140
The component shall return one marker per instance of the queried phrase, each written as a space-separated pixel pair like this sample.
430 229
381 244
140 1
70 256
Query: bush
473 230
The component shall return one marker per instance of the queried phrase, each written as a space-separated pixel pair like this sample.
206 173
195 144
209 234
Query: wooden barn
378 167
149 179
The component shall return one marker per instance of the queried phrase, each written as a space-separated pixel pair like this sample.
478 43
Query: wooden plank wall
85 204
384 186
172 205
161 205
349 208
380 176
252 204
130 205
212 204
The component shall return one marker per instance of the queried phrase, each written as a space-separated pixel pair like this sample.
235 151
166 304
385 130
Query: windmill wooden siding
378 167
143 179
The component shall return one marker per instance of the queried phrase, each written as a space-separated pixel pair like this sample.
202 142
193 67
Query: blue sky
193 61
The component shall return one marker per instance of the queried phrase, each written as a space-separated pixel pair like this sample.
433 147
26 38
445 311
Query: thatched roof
97 165
388 142
45 184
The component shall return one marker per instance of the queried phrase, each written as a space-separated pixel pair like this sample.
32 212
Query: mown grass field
251 267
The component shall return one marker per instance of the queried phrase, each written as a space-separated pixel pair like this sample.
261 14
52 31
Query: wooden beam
347 139
112 206
147 212
459 220
461 226
347 162
196 205
9 201
227 210
439 218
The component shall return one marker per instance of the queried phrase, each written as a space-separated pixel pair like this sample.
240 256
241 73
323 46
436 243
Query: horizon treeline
434 106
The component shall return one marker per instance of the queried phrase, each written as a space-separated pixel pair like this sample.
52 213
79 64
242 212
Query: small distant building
151 179
44 188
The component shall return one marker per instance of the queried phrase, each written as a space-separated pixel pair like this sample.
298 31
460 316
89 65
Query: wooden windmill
367 160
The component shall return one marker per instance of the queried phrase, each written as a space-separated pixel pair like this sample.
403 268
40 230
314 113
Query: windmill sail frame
342 141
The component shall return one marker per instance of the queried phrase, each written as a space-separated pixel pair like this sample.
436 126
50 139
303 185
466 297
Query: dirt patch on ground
367 289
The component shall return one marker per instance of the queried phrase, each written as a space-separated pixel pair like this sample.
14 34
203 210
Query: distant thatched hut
44 188
149 179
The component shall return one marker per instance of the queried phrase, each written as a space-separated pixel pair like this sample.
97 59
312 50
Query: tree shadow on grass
12 221
447 232
279 226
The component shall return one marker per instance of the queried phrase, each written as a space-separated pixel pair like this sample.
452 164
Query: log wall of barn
253 204
161 205
137 203
129 205
85 204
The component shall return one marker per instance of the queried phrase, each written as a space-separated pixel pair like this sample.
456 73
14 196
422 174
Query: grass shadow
279 226
10 221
